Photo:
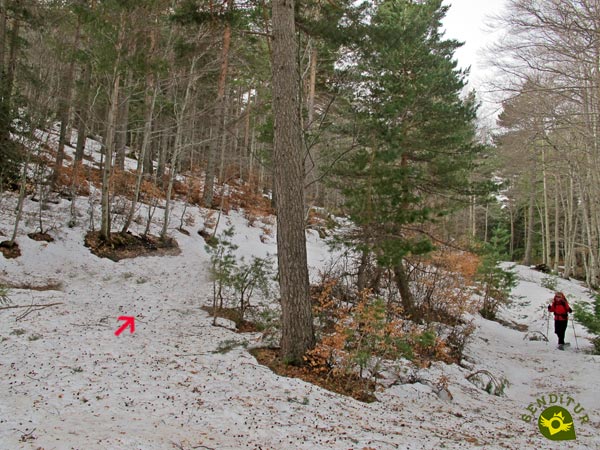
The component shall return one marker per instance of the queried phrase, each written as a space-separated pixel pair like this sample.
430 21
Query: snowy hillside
180 383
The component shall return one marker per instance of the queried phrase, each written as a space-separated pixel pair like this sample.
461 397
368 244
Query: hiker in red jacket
561 309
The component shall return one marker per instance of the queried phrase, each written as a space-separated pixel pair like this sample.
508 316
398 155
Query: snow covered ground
67 382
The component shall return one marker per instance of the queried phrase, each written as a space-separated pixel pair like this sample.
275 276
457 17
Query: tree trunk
219 116
64 109
556 227
82 112
408 301
223 145
21 200
178 144
122 123
110 136
547 234
3 27
7 79
297 321
530 225
149 102
312 87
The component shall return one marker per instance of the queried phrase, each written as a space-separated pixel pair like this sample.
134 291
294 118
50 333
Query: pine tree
589 317
416 134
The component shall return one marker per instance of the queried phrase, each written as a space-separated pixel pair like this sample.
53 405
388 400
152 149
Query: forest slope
179 382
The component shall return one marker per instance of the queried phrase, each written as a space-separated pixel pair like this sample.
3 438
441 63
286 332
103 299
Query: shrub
236 280
458 339
356 337
497 282
550 282
589 317
4 297
443 286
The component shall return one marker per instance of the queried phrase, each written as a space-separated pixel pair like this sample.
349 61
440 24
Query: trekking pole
547 327
574 333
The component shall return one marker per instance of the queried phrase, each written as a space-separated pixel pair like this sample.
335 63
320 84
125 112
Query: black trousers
560 326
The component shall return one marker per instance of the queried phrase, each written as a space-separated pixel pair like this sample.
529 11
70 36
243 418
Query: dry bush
223 202
74 176
150 191
190 189
316 218
210 221
443 285
357 337
122 183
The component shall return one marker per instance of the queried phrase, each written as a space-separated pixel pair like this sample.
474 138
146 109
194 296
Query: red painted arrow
129 321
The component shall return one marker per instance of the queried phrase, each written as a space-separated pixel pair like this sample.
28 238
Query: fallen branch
494 386
533 332
31 306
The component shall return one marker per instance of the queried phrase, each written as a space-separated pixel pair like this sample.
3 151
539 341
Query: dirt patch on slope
127 245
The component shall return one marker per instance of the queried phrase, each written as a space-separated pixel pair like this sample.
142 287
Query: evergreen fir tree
416 134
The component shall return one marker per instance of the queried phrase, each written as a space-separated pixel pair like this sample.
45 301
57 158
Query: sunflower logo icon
556 424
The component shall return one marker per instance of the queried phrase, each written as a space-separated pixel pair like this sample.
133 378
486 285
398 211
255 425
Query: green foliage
4 297
427 339
9 157
198 12
497 282
416 136
367 338
268 319
228 345
550 282
222 263
589 317
235 279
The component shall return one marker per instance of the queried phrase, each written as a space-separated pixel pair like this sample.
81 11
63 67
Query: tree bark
312 87
219 116
110 136
122 123
406 297
149 103
7 80
530 223
547 233
180 117
64 110
297 320
82 112
3 22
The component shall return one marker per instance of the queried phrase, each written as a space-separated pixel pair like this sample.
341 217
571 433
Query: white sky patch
467 21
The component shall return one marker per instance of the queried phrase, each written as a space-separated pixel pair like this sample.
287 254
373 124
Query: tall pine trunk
64 109
219 117
8 67
297 321
81 116
149 103
105 225
122 123
179 129
530 223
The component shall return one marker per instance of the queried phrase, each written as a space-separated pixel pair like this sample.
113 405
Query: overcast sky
466 21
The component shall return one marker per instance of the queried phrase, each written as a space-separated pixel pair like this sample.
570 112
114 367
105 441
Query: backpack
561 309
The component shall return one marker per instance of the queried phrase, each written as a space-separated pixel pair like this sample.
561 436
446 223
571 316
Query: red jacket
560 307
